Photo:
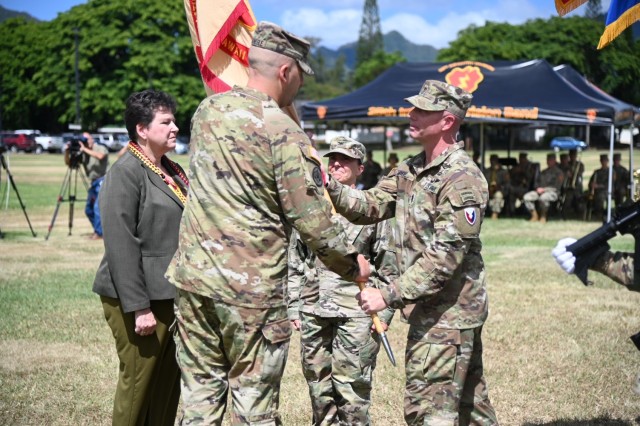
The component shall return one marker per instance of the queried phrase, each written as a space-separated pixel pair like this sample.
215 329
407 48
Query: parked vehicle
19 142
568 143
49 143
182 145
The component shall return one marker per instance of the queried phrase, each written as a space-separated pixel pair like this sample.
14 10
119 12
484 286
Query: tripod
15 188
69 187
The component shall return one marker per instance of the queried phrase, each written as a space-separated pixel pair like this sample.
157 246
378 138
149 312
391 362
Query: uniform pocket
277 331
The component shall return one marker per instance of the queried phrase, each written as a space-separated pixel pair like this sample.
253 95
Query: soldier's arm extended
295 277
383 255
457 222
300 189
365 207
618 266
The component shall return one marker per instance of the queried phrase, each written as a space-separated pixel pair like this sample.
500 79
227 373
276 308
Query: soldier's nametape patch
470 215
466 196
317 177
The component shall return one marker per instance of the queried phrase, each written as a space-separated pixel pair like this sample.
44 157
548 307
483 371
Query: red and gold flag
221 32
565 6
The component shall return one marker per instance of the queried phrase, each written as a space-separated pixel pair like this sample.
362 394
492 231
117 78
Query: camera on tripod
75 150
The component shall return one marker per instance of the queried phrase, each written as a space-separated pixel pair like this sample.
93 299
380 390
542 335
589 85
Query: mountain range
393 42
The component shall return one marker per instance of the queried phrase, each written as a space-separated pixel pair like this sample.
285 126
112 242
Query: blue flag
622 13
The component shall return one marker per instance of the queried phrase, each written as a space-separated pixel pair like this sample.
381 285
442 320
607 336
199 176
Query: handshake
564 258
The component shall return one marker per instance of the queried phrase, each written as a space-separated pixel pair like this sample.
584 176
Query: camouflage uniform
599 187
498 181
551 180
253 179
620 181
439 209
338 350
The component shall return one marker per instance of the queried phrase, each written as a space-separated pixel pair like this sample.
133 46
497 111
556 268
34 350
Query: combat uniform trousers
148 388
338 358
223 348
445 382
545 199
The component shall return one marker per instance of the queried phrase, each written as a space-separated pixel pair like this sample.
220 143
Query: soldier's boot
534 216
543 217
494 215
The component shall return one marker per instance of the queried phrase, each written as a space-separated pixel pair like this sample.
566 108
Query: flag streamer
565 6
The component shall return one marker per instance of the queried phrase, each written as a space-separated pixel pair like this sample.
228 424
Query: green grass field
556 352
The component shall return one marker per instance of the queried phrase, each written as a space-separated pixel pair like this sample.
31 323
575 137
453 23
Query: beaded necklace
136 150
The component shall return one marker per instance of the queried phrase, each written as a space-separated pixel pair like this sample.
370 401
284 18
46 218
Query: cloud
334 28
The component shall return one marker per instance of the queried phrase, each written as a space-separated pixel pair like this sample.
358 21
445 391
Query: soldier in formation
253 178
598 189
522 177
338 349
438 198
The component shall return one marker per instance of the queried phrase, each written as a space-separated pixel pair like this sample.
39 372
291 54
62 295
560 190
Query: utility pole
77 43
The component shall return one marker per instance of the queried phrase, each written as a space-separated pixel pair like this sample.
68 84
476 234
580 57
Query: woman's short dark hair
142 107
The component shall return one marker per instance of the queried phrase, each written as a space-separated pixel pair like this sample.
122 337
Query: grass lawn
556 352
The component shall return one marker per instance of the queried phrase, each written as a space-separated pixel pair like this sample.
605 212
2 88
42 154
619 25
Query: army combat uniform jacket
438 209
253 179
314 289
618 266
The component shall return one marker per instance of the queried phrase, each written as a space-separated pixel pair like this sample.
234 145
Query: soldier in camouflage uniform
621 180
618 266
338 350
254 179
547 191
498 180
438 198
598 189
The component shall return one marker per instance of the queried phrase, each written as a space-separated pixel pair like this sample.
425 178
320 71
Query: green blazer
140 220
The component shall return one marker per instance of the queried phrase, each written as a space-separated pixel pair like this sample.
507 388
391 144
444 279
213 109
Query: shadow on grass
600 421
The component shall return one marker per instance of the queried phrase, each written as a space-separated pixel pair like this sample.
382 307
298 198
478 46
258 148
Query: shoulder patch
470 215
316 174
467 195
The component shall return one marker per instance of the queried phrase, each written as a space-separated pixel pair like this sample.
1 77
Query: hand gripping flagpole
379 329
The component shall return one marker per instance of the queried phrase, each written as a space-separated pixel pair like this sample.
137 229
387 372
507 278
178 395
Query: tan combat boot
543 217
534 216
494 215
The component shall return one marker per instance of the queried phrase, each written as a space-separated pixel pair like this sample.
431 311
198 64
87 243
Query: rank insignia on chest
471 215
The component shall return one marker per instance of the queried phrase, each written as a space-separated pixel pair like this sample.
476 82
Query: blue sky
336 22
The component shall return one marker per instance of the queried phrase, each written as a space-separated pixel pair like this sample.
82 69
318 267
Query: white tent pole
610 184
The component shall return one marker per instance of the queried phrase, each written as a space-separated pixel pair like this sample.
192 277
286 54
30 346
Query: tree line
126 46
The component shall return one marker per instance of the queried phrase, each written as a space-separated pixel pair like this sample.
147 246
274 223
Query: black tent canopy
524 91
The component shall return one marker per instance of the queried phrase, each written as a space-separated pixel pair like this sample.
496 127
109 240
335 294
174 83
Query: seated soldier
522 178
598 188
498 180
547 191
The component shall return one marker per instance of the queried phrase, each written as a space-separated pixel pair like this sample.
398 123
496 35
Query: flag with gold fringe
622 13
221 32
565 6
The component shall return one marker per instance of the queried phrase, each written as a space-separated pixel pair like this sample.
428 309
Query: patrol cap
617 156
393 156
564 156
272 37
494 157
347 146
523 155
604 157
439 96
551 156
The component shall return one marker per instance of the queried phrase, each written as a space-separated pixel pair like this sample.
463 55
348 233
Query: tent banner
221 33
622 13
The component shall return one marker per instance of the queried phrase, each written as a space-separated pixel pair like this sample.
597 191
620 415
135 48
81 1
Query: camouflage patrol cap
272 37
439 96
347 146
604 157
617 156
551 156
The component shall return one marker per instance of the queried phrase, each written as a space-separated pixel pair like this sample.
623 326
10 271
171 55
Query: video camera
75 153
